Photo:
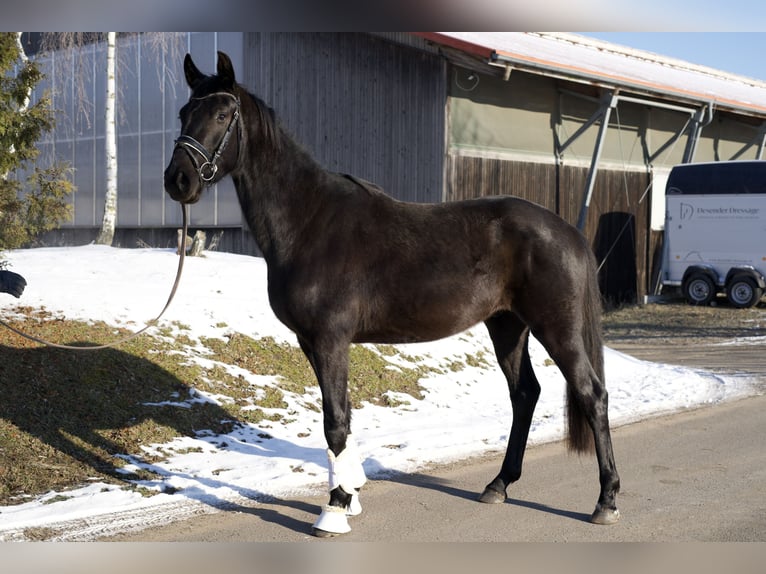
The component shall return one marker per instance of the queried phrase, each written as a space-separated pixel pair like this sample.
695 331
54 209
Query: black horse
348 264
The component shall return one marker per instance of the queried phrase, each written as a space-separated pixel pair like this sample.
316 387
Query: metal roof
587 60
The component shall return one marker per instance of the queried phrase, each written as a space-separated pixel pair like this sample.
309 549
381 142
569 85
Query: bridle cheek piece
207 170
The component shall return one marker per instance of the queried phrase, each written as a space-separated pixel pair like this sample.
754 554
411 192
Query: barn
586 128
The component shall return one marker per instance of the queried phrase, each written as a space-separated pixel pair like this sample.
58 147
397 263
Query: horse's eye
221 117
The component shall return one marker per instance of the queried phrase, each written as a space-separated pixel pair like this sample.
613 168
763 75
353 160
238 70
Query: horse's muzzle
180 187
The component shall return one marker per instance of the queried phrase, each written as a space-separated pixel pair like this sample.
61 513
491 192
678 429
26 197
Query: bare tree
162 45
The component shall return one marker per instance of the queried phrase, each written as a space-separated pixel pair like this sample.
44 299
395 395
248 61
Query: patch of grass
455 366
67 417
148 492
181 326
371 376
57 498
478 360
264 357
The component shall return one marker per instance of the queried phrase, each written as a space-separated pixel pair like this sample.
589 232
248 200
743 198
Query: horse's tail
580 433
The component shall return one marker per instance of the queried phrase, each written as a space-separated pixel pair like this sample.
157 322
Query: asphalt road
694 476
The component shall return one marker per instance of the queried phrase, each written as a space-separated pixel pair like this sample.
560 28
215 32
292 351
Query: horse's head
209 145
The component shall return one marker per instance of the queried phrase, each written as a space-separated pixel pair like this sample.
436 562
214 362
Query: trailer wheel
699 289
743 291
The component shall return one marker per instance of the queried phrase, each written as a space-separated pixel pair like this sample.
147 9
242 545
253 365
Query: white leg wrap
346 469
354 507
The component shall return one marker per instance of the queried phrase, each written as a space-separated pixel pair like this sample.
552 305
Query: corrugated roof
583 59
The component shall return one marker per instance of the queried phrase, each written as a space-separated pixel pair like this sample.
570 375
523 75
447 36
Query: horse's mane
268 124
273 138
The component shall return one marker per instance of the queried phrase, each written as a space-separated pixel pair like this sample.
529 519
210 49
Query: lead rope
127 338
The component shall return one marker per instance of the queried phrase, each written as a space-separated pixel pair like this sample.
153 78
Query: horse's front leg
346 475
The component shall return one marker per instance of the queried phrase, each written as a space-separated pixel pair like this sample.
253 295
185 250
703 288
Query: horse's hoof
492 496
331 522
605 516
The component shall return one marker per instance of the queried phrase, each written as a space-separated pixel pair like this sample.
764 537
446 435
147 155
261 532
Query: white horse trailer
715 231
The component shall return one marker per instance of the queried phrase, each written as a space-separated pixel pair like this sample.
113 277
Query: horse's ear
192 73
226 69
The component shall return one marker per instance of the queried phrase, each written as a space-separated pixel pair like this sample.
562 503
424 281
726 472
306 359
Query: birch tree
106 235
162 44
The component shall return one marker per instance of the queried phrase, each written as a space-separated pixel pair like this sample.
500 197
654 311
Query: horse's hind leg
346 475
587 409
510 338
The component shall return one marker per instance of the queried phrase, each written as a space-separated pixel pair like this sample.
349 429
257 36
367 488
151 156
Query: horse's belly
424 324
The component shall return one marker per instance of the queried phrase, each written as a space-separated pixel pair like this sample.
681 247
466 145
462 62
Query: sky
222 293
339 15
742 53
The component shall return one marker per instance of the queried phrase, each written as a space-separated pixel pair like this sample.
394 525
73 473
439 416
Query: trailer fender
747 270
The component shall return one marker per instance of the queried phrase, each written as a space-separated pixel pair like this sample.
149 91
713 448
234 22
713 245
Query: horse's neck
277 194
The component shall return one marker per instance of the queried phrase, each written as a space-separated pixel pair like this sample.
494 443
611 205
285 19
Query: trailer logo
688 211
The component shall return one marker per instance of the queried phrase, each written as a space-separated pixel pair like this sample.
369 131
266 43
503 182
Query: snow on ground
462 414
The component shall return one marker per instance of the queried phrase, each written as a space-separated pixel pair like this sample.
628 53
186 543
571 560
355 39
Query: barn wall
618 218
508 136
389 109
528 115
359 104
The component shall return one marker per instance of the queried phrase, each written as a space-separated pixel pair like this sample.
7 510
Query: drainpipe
695 129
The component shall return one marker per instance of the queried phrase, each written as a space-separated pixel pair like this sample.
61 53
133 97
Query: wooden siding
618 219
359 104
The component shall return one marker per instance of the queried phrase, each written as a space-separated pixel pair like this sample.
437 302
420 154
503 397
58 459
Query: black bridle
209 167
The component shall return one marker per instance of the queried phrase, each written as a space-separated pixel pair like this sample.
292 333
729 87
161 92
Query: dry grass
65 416
673 321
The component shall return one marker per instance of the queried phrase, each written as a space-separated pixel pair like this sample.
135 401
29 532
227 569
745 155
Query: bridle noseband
209 167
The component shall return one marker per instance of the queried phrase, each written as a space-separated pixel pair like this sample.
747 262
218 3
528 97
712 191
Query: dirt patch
673 321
